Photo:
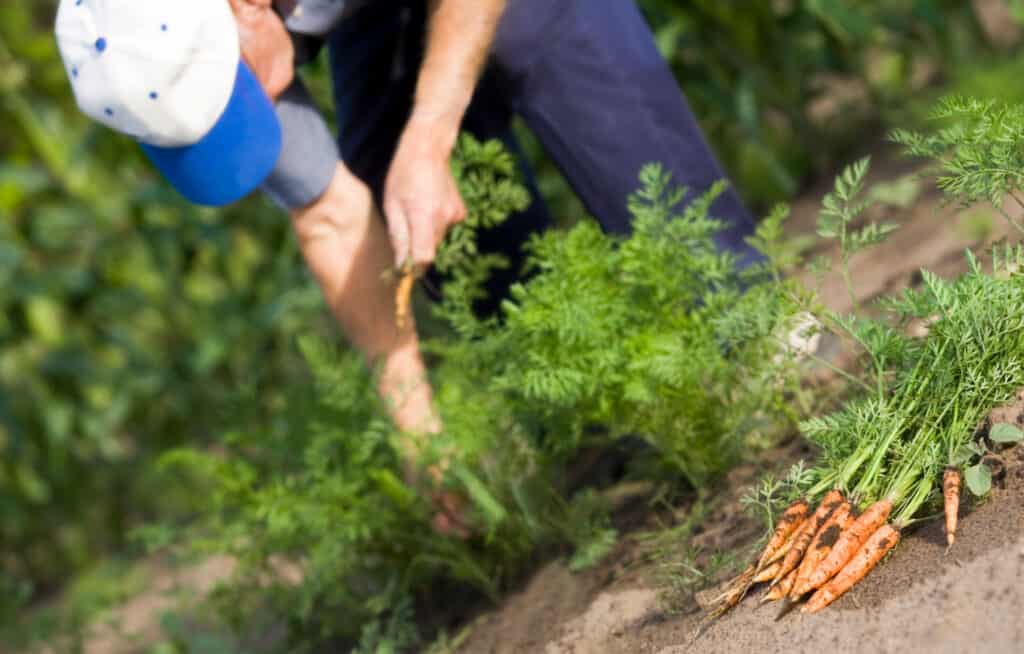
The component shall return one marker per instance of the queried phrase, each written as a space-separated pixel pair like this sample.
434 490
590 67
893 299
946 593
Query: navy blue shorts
584 75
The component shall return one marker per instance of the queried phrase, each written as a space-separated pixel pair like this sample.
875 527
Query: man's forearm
346 247
459 37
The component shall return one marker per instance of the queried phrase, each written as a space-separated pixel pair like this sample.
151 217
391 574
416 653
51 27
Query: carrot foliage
921 399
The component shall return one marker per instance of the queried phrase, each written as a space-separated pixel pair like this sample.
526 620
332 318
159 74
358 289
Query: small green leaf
979 479
1005 433
963 454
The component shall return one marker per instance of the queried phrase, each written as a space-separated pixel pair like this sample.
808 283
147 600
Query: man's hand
266 46
421 199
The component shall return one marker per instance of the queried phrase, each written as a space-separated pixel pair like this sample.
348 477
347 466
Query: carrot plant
978 151
658 335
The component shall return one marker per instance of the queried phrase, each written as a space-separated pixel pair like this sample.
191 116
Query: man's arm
421 200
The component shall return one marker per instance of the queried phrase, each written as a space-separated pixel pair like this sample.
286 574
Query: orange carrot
850 541
832 500
775 561
768 574
951 497
403 297
781 589
820 548
866 558
790 521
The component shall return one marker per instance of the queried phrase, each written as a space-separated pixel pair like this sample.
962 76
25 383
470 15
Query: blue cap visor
234 157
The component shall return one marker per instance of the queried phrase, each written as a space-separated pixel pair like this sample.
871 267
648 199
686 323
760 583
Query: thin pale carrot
951 498
773 565
403 297
850 541
740 579
768 574
791 519
737 591
832 500
866 558
781 589
754 574
820 548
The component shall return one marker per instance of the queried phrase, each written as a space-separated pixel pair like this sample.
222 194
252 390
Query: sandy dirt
920 601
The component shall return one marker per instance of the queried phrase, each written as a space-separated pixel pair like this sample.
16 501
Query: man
585 75
407 75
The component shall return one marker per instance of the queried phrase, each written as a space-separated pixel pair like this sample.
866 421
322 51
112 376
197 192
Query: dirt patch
532 617
921 600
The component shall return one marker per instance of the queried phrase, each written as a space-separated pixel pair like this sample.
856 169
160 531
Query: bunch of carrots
820 554
896 449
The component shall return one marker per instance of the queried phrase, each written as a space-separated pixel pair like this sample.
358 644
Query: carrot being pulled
820 548
951 499
850 541
403 297
866 558
832 500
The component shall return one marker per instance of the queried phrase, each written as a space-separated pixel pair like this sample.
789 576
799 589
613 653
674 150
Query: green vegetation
922 399
786 88
136 329
648 335
130 323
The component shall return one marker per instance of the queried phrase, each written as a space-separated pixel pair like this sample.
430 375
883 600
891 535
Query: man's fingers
423 239
398 229
459 212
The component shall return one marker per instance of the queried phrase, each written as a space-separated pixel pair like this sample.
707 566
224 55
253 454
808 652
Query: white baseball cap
170 74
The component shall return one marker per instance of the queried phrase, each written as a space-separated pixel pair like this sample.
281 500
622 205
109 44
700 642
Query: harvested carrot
781 589
951 497
774 564
832 500
403 297
742 578
736 594
820 548
790 521
768 574
733 595
866 558
850 541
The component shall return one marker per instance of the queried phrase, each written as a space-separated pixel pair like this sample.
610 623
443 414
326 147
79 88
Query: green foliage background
132 323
